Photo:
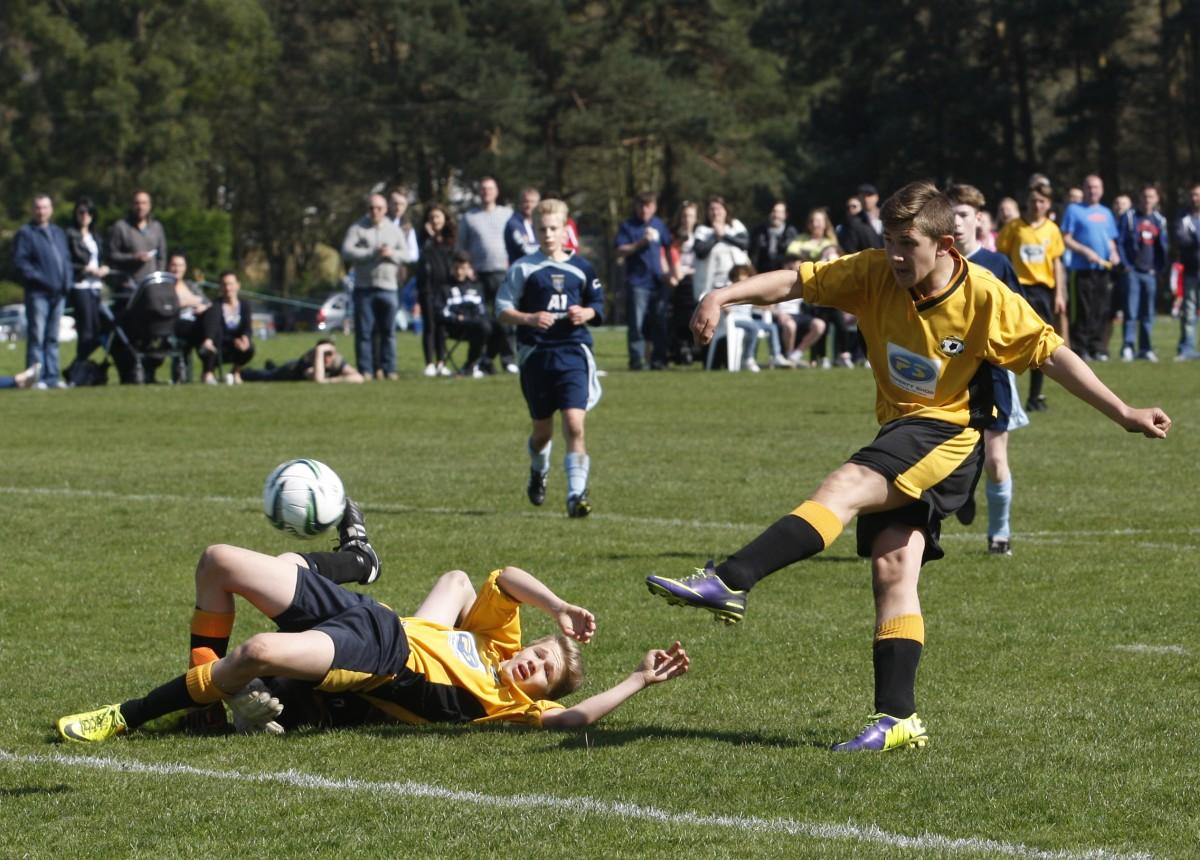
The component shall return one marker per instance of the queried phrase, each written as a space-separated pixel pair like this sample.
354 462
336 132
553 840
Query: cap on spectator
867 189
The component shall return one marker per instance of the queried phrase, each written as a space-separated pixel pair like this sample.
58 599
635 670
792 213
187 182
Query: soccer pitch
1059 685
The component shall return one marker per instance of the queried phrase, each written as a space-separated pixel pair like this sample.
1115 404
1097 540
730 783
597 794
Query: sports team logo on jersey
952 346
463 645
558 281
1033 253
913 373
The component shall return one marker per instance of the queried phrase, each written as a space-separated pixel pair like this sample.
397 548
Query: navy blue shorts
368 640
560 377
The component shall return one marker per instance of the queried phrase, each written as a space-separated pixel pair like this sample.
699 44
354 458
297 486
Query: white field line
1139 648
586 806
671 522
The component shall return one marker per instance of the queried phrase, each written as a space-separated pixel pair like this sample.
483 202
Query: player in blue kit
551 297
968 202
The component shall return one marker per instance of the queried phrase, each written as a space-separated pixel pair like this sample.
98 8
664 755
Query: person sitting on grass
934 325
459 659
25 379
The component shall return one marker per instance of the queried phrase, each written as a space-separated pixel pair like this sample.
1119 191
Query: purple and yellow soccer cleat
703 590
885 733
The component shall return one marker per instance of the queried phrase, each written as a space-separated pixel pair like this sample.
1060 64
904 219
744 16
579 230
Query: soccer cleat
579 506
352 537
255 709
93 726
536 488
702 590
999 546
966 514
884 733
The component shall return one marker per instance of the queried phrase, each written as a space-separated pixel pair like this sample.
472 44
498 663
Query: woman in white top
89 274
719 246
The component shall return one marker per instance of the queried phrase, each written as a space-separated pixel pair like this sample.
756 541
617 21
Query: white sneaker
826 363
796 357
780 361
512 368
1127 353
752 365
431 370
229 379
476 373
442 370
1149 356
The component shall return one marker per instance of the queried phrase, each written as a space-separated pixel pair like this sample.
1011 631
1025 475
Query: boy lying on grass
340 657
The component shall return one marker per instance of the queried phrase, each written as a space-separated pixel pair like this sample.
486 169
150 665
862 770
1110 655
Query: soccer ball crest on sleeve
304 497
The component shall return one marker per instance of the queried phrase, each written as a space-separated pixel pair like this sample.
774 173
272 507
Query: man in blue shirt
43 263
551 297
1143 246
640 242
1090 233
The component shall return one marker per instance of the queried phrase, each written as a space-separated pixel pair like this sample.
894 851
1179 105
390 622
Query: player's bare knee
213 561
457 580
254 654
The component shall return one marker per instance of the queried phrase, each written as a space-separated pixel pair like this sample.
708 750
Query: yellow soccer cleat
92 727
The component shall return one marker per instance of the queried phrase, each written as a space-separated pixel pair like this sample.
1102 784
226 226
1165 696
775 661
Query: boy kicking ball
551 297
458 659
933 326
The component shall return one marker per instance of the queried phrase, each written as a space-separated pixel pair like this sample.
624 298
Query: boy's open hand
659 665
1152 423
576 622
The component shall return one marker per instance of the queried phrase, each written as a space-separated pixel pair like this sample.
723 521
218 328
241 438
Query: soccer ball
304 497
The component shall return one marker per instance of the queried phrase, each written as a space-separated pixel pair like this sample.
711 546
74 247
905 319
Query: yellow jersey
1032 250
453 673
930 354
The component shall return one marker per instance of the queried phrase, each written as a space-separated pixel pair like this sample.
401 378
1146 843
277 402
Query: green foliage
206 235
1046 730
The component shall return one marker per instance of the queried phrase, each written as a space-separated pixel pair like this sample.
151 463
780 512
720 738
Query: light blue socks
539 461
577 473
999 499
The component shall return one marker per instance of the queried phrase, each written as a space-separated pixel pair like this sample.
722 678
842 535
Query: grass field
1059 685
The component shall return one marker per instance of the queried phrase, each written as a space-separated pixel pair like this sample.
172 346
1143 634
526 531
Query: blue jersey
538 283
999 265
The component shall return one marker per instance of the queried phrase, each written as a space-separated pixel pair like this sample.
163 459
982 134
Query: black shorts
369 643
936 463
1041 299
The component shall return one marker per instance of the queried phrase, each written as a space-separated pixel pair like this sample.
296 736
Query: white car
13 324
338 313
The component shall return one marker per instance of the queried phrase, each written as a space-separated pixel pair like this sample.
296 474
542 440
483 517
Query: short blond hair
922 205
572 676
551 206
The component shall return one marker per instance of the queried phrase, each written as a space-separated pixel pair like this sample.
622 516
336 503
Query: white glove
255 709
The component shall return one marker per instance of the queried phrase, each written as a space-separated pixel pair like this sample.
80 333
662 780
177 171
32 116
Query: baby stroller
143 335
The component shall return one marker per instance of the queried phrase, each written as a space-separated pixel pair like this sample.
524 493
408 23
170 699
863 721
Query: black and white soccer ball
304 497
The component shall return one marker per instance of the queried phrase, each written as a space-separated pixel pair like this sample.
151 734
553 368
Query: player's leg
354 559
449 601
897 554
541 414
999 492
577 463
816 330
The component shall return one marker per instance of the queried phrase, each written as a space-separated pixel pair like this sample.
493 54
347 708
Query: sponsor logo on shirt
1033 253
463 645
913 373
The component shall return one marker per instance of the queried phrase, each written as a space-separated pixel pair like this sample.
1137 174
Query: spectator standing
481 234
1187 239
682 265
1143 248
89 274
43 263
641 242
769 241
410 248
137 243
520 240
1034 246
1090 232
434 275
1008 210
720 245
863 229
373 249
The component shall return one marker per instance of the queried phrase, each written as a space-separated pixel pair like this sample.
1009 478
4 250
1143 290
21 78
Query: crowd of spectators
1102 270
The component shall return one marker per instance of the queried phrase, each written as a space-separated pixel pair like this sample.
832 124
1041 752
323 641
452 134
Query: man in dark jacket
859 232
769 241
137 244
43 263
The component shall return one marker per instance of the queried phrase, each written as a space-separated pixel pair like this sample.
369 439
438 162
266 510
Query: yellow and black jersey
453 673
930 354
1032 250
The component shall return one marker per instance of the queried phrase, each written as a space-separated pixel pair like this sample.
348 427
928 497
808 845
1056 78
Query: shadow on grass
27 790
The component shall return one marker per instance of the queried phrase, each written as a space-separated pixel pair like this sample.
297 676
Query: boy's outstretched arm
657 666
524 587
1073 374
769 288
